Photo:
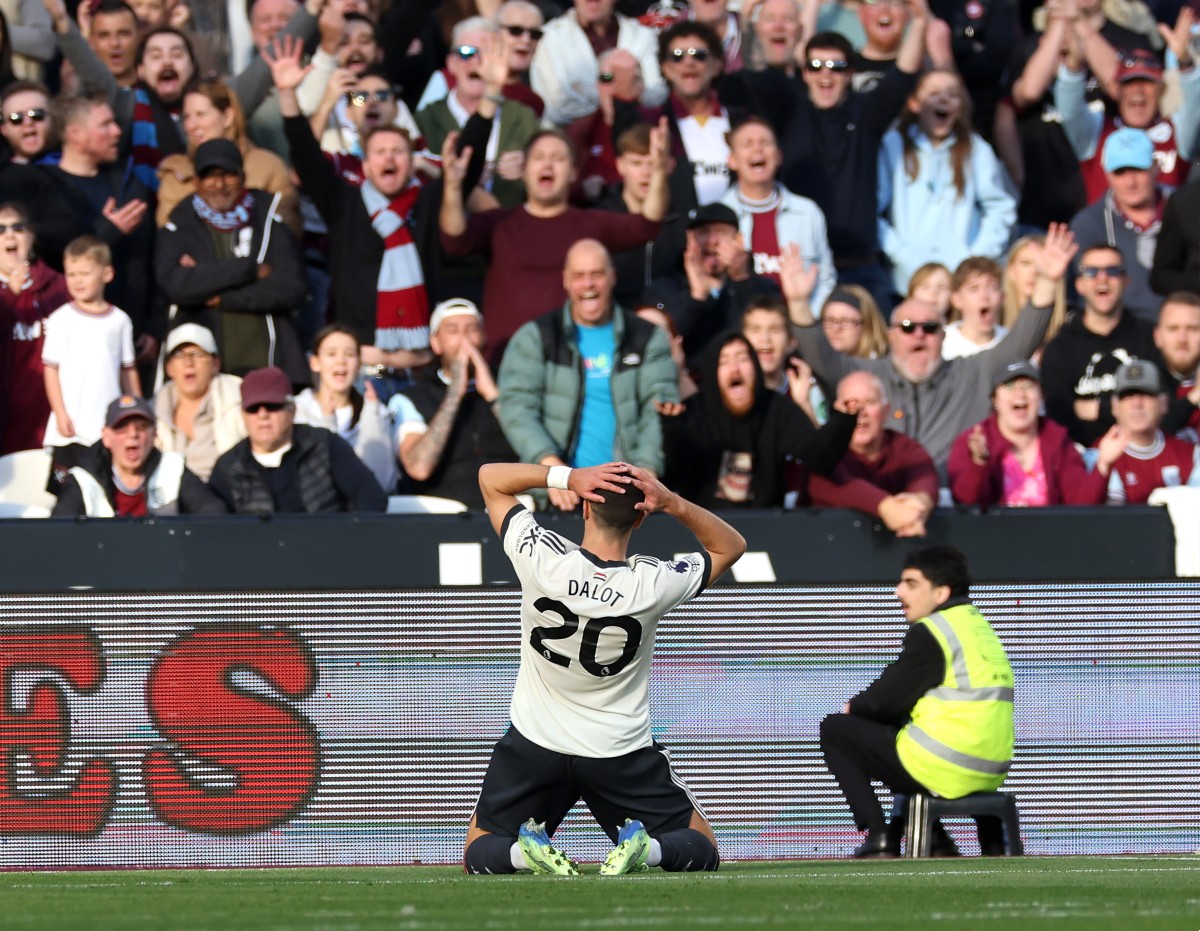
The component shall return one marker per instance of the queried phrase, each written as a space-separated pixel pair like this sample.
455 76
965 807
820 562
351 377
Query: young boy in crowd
976 297
765 324
87 356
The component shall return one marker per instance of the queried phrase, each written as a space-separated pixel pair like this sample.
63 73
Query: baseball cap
1128 148
126 407
266 386
1014 370
1139 63
712 213
217 153
194 334
1137 377
452 308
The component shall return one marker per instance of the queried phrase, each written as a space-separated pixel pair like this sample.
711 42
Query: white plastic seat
23 478
16 509
423 504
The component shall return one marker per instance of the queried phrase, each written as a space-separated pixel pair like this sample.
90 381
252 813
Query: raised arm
501 482
722 542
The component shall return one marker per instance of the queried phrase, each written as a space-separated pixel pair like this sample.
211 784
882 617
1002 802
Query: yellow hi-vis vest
960 736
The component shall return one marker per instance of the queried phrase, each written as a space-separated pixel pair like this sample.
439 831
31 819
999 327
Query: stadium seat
924 810
423 504
23 478
16 509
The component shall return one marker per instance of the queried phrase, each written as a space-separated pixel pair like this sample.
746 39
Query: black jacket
699 322
253 324
832 157
319 474
194 496
702 442
132 288
1079 365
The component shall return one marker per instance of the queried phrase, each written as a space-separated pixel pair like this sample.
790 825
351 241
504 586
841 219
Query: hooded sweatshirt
721 460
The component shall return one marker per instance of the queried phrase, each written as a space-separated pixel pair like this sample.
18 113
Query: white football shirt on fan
587 638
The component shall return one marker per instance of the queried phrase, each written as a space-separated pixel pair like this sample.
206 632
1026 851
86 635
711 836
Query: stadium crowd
274 256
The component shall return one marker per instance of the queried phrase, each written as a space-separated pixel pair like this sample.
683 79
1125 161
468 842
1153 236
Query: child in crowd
942 193
975 297
29 291
931 283
853 324
339 407
87 356
766 325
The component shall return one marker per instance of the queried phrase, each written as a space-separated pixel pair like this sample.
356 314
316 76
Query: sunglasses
1095 271
928 327
517 31
467 52
37 114
362 98
17 227
189 355
700 54
830 64
269 408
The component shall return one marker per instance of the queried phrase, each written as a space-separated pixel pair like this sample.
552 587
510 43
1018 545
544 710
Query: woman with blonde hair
211 111
853 324
1020 272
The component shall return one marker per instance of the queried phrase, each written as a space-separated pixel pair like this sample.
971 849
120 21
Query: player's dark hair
942 565
617 512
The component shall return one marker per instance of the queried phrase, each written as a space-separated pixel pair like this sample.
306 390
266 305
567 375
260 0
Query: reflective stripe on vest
965 760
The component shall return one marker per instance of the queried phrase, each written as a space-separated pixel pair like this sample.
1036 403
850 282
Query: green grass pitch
1093 893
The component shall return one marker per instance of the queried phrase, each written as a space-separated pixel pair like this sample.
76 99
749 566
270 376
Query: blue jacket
924 220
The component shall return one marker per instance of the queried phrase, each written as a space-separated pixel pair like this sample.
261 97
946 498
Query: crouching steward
938 720
123 475
580 709
286 467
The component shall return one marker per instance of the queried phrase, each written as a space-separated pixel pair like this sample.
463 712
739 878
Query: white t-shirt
587 638
89 351
957 346
708 151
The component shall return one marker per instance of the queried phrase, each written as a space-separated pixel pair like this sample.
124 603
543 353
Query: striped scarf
144 135
401 305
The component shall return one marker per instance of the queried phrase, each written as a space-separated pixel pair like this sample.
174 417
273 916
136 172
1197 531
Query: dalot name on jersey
595 589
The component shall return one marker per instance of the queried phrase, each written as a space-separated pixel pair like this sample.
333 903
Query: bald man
578 385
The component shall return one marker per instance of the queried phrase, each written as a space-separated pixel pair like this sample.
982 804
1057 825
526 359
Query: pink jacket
1067 479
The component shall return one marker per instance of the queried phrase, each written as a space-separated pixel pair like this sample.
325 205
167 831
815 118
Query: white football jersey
587 638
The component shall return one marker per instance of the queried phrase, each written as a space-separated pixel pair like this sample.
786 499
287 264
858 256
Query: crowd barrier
277 725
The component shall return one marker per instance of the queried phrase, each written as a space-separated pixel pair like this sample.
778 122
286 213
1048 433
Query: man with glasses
1129 215
691 59
1080 364
198 408
520 25
830 147
566 64
25 120
286 467
932 400
478 64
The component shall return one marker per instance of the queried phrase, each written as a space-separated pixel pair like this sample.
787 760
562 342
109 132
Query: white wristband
557 477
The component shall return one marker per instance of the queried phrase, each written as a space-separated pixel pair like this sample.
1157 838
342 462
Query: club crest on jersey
681 566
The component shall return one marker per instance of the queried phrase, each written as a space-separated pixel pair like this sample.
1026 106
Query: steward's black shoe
874 847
